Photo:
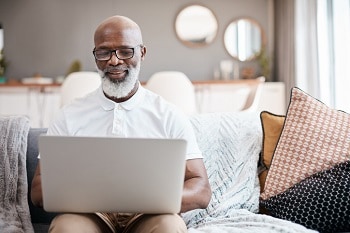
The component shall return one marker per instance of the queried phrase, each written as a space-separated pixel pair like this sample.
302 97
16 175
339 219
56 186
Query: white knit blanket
231 143
14 210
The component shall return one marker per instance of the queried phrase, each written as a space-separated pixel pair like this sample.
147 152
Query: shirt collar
131 103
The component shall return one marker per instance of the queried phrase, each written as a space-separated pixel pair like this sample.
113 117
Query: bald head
118 27
118 39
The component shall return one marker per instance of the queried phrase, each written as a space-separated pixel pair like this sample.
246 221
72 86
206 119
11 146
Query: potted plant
264 62
3 65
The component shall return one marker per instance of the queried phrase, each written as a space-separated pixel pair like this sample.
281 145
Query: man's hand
36 192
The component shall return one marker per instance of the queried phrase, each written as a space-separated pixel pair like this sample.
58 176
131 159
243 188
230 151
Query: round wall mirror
196 26
243 39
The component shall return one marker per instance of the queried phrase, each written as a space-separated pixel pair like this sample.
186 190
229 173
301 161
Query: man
122 107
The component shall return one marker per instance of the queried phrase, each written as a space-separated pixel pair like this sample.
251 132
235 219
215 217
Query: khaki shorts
119 222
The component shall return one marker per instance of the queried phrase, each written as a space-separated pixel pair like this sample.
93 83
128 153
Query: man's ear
143 53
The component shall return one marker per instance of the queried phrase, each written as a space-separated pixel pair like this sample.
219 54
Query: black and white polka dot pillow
320 202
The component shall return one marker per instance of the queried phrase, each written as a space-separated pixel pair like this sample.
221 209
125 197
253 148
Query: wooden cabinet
273 98
231 96
41 102
38 102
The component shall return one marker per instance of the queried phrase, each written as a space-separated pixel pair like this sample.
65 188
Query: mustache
114 69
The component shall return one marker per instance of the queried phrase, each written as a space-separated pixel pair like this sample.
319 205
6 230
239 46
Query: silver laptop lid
100 174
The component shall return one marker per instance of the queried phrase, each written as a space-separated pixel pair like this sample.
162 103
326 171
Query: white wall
45 36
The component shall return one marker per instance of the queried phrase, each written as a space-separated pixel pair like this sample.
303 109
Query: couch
234 146
236 189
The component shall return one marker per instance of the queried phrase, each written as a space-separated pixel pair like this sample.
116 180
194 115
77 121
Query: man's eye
125 52
102 53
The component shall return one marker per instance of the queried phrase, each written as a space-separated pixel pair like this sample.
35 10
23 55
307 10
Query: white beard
120 89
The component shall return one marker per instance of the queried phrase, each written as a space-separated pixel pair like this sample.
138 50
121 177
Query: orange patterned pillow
314 138
272 126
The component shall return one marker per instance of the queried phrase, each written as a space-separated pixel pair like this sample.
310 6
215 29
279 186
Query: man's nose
114 59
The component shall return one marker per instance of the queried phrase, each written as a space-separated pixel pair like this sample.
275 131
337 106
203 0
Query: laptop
106 174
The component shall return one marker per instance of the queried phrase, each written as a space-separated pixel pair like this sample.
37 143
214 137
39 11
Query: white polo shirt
144 115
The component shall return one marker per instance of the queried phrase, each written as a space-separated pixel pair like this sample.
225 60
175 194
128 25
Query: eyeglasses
121 54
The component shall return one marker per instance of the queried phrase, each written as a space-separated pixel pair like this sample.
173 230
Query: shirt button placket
118 120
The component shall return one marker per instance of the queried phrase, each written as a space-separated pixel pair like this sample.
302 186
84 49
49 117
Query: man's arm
36 193
197 191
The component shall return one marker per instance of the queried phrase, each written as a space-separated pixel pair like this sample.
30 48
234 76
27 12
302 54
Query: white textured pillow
230 143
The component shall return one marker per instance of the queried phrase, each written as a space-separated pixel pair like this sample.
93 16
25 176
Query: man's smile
116 74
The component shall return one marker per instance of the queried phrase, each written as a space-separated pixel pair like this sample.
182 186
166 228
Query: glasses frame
115 51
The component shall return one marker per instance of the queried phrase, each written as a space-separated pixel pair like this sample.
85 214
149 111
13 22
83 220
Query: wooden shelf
20 84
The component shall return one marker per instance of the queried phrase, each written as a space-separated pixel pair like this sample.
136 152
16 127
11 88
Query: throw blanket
14 209
231 143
